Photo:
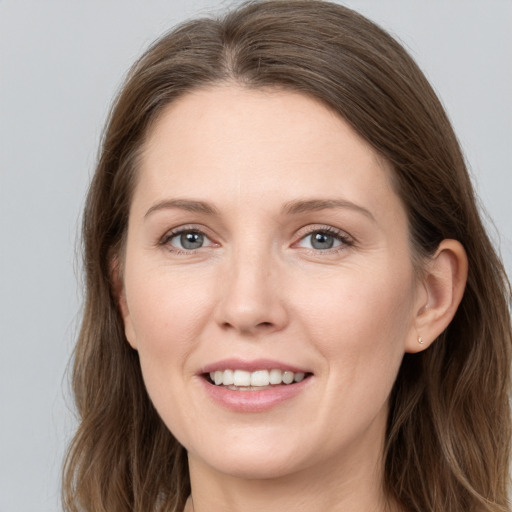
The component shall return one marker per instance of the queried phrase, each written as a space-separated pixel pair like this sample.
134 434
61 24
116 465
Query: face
267 285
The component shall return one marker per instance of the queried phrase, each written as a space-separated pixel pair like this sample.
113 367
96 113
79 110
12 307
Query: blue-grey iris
191 240
322 241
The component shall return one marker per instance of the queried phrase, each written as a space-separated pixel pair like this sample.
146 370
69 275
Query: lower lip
254 401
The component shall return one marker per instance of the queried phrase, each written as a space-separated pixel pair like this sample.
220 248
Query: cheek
166 312
364 319
167 315
360 329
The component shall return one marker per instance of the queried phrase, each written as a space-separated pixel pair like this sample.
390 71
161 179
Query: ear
444 281
120 297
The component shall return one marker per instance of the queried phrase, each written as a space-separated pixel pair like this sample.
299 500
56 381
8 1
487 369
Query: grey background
60 64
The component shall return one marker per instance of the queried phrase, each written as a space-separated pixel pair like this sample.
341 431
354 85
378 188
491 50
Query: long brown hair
449 428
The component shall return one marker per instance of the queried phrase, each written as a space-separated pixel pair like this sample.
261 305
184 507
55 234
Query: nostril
248 328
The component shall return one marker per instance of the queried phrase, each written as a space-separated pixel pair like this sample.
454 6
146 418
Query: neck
349 488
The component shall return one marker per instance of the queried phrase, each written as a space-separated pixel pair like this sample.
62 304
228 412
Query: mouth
259 380
254 386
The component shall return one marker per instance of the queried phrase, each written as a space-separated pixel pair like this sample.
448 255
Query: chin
253 468
254 460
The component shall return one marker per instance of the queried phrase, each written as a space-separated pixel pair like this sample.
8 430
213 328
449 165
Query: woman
291 300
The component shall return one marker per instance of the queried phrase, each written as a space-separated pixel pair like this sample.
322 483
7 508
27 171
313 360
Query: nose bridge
252 300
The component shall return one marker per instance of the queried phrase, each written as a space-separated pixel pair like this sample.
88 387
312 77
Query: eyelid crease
343 237
323 228
179 230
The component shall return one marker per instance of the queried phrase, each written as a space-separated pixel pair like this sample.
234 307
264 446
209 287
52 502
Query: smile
253 386
242 380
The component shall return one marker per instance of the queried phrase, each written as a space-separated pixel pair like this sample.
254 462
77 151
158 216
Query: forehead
229 142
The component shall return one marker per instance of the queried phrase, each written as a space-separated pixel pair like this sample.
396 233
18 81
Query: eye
186 240
324 239
189 240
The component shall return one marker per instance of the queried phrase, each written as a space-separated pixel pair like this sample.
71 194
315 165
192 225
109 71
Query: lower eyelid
339 245
167 239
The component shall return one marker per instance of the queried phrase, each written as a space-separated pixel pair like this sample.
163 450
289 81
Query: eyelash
340 236
167 238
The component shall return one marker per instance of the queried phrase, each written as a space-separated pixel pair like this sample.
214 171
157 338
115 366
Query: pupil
322 241
191 240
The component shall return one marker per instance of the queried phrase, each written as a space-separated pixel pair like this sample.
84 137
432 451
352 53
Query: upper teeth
258 378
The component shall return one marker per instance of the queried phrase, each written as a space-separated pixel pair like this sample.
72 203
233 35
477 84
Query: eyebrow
184 204
291 208
303 206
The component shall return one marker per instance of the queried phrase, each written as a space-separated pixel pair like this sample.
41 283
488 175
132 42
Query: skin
257 288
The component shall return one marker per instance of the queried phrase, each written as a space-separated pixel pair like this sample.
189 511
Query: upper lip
251 365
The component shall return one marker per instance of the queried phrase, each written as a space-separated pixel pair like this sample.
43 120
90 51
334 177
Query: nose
252 295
